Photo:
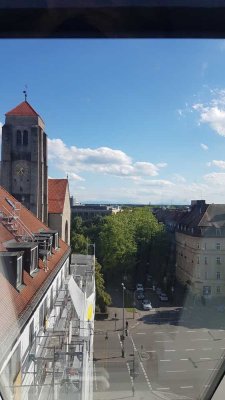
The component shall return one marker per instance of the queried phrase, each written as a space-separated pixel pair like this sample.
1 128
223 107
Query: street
171 352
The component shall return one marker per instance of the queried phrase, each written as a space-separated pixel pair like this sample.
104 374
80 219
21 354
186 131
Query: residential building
24 170
46 310
200 249
59 211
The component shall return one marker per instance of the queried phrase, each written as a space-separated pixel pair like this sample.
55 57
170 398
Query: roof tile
23 109
56 195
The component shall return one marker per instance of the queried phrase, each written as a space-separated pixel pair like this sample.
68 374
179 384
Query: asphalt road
170 352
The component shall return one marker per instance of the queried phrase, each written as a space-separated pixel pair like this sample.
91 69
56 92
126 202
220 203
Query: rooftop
23 109
17 303
56 195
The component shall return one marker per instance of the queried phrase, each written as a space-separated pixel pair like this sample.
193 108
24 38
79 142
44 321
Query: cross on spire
25 92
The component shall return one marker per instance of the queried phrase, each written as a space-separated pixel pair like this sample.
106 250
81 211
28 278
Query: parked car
139 286
140 295
163 297
146 304
158 291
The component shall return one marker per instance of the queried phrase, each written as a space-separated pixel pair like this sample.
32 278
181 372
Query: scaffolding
10 218
54 365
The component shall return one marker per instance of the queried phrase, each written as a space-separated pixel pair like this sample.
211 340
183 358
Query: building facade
59 211
200 249
24 170
46 312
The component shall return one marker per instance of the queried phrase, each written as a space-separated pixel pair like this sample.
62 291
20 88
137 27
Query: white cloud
215 178
204 146
217 163
178 178
74 177
213 113
73 160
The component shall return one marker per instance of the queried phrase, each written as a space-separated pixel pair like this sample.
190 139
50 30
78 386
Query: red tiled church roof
23 109
10 299
56 195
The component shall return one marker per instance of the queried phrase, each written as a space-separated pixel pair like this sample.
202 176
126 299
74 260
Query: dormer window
19 276
56 240
34 259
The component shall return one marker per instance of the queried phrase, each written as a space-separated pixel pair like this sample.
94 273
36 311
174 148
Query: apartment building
200 249
46 310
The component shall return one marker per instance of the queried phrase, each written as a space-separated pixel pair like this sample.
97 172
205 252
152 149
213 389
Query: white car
146 304
163 297
139 286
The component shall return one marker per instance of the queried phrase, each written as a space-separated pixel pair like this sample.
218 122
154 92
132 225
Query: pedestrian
126 324
133 391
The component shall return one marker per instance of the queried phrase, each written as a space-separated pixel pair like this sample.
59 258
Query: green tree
103 299
78 243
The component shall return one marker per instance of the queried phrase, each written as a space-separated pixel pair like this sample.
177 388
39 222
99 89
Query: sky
129 121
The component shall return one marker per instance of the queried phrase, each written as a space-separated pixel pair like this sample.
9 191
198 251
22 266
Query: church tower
24 170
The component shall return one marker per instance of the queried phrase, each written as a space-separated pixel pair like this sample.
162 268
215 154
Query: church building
24 170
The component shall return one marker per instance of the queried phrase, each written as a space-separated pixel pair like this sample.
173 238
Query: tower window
18 137
25 138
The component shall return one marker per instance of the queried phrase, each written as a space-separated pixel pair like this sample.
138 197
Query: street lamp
123 321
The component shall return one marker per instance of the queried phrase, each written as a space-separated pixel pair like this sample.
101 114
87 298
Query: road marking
164 360
189 349
207 348
142 366
186 387
180 371
150 351
222 348
169 350
173 332
156 333
183 359
163 388
140 333
195 340
205 358
131 378
212 369
191 331
164 341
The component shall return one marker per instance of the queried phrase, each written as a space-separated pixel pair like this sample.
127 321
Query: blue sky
127 120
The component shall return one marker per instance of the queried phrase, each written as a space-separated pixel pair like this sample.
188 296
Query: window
25 138
217 246
19 271
218 232
198 246
34 259
198 260
206 260
218 275
18 137
206 290
56 240
218 260
206 275
218 289
205 246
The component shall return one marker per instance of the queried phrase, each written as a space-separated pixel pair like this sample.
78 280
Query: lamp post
123 322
